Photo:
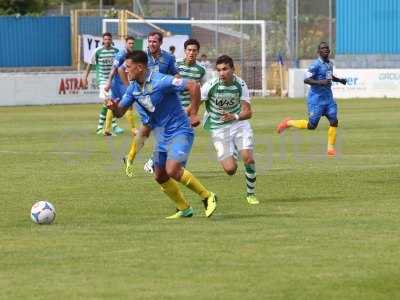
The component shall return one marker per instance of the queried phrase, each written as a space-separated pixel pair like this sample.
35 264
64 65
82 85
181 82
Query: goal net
243 40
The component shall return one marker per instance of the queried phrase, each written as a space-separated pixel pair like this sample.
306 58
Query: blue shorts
117 91
177 148
316 111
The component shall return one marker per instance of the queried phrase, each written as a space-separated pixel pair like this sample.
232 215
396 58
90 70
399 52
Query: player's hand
107 86
227 117
111 104
343 81
85 83
194 120
325 82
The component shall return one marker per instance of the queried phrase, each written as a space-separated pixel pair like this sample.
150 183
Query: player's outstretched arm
341 80
311 81
194 90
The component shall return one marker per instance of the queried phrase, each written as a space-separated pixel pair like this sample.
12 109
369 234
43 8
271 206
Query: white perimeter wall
46 88
66 87
361 83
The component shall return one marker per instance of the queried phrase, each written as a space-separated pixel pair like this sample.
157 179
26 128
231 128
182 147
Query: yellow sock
302 124
137 144
134 149
109 117
194 184
171 189
131 117
331 137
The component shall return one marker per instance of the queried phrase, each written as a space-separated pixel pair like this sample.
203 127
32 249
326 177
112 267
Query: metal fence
35 41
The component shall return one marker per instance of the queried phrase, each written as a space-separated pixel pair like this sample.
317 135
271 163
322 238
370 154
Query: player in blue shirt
158 59
161 61
116 83
155 97
320 99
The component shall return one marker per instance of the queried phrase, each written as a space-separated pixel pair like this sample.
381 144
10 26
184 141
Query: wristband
236 116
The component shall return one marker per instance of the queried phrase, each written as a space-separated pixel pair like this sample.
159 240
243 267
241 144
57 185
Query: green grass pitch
325 228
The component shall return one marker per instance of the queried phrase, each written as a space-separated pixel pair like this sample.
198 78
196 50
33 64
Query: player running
116 83
103 59
320 99
228 109
158 61
155 96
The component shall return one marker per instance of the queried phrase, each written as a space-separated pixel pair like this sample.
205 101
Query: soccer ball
43 212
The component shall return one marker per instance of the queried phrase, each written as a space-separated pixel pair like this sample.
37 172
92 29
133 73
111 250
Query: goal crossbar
261 23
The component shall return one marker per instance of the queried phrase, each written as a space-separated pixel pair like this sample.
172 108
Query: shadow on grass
249 215
304 199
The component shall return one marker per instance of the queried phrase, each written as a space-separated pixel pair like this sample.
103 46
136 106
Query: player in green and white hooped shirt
188 68
103 58
228 109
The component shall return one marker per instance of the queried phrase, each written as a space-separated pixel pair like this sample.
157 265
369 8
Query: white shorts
103 95
237 136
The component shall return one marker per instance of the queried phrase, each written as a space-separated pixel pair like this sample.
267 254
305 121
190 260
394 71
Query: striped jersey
193 72
103 59
220 98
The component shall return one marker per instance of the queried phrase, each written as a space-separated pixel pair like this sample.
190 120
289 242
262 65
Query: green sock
114 123
250 172
102 117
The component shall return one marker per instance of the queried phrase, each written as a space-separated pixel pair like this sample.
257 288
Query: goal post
257 64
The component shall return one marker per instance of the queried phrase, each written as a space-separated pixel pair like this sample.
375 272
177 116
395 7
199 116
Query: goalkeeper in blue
156 99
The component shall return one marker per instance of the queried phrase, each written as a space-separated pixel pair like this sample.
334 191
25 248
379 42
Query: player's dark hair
157 33
107 34
138 56
225 59
322 43
129 37
192 42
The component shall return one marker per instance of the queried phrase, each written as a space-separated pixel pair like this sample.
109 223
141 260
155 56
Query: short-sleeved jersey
118 62
193 72
165 63
159 102
320 70
220 98
103 59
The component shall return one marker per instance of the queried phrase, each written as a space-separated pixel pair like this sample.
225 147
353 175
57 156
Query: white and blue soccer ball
43 212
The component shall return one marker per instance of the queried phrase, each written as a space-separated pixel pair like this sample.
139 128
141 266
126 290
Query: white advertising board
90 43
46 88
361 83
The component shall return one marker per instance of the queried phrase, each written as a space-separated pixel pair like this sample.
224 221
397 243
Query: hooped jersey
103 59
192 72
220 98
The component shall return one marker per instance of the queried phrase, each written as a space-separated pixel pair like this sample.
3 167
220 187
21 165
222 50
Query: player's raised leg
314 112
